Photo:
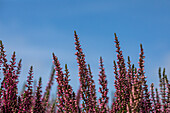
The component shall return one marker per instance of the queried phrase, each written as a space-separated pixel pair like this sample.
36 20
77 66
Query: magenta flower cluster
132 92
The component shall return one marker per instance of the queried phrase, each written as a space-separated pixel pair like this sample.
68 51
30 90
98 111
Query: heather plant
132 94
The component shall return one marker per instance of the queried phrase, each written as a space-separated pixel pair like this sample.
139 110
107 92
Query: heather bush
132 92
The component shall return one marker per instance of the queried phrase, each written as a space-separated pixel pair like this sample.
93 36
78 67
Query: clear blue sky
36 28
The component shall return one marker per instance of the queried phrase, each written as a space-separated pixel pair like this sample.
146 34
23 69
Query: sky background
34 29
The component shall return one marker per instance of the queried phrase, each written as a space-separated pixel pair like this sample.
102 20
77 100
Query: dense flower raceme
132 93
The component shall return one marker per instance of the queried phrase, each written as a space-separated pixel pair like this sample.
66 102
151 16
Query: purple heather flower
65 103
85 80
38 108
103 101
146 102
27 97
